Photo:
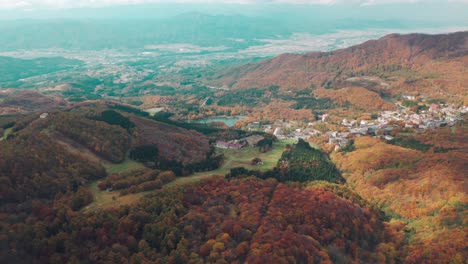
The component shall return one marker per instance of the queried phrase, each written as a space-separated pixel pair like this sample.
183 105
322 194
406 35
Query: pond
229 121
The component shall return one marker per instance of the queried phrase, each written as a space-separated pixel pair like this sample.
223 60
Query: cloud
61 4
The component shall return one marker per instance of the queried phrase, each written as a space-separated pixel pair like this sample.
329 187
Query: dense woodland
304 163
403 201
136 181
28 170
398 64
217 220
205 222
109 141
420 183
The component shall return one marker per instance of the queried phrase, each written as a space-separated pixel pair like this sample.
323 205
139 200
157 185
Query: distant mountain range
195 27
431 65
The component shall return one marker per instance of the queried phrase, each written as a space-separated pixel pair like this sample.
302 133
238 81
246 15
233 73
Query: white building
278 132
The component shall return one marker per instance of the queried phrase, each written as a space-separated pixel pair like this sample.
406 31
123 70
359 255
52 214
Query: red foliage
262 221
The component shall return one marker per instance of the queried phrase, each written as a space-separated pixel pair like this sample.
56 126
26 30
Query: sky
451 12
64 4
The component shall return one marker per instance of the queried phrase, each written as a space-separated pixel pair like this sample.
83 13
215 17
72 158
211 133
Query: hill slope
108 133
14 102
433 65
424 190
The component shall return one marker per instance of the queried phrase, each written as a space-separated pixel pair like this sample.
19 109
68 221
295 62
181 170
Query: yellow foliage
356 96
219 246
428 188
225 237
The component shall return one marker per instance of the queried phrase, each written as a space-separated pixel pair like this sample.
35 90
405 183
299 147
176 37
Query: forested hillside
36 167
49 164
424 192
385 202
433 65
23 102
241 220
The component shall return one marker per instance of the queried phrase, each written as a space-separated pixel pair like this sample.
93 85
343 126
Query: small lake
229 121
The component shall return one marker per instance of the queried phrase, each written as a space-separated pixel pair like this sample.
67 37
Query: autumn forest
358 155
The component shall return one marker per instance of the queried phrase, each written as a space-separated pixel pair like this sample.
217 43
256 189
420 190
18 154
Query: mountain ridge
405 60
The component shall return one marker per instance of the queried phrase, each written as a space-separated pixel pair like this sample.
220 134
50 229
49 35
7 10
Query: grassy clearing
315 146
243 157
5 133
105 200
126 166
240 158
233 158
194 178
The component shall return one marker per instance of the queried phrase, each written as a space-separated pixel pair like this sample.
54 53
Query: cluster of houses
436 115
357 129
239 143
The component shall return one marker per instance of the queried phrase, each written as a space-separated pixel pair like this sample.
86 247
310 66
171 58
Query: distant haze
62 4
440 10
114 39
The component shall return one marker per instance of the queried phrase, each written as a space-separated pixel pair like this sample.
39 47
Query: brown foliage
108 141
137 181
262 221
20 102
34 166
280 110
417 62
358 97
173 143
427 188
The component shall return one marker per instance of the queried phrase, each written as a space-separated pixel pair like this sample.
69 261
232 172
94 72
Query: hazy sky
53 4
97 24
450 12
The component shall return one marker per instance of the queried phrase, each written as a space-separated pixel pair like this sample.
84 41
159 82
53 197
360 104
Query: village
437 115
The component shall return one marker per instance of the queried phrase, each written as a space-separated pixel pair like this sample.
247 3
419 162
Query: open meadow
233 158
104 199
